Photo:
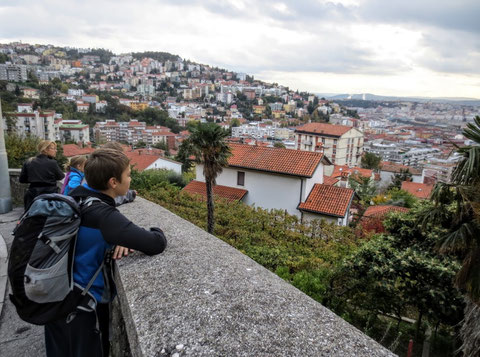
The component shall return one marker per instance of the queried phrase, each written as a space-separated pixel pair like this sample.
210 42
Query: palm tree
462 220
210 149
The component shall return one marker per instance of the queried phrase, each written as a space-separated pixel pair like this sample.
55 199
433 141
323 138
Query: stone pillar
5 195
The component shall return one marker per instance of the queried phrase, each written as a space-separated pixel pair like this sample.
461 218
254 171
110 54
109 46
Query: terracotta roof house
419 190
328 202
275 178
338 170
382 210
342 173
229 193
331 181
70 150
389 169
275 160
145 160
373 217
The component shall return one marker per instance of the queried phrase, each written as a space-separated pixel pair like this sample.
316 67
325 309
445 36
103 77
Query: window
334 141
240 178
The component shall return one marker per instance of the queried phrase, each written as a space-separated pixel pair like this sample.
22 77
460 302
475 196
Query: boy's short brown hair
113 145
104 164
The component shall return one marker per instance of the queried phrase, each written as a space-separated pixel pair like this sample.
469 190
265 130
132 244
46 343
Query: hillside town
367 204
147 101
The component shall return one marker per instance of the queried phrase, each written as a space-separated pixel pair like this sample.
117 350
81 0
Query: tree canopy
370 161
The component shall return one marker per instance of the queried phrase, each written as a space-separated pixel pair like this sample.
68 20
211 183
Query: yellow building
138 105
258 109
289 108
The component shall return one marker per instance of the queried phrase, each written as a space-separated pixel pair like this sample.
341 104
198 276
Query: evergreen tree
370 161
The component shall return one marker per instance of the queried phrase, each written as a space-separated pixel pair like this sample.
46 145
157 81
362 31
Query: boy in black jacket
103 229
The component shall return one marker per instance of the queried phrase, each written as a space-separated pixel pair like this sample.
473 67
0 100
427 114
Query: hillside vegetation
374 282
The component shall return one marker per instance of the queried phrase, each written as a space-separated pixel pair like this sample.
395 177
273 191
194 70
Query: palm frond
468 278
467 170
461 239
472 131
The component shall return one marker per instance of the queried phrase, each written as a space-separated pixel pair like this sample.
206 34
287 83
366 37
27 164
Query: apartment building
74 130
107 130
13 73
343 145
416 156
131 132
39 124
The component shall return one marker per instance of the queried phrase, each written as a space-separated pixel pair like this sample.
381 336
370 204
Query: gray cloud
445 52
454 15
450 41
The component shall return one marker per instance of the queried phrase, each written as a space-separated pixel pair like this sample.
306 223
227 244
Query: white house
328 202
389 169
150 159
276 178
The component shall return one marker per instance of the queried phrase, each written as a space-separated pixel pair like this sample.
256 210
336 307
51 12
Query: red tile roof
229 193
141 161
330 180
70 150
339 169
328 200
323 128
420 190
277 160
393 167
380 211
163 133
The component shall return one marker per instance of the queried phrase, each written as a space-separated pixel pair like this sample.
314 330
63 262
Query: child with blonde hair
74 169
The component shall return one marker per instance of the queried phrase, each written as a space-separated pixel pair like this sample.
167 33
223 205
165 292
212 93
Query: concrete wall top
208 299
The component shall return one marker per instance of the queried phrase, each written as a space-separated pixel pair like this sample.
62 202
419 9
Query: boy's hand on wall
120 252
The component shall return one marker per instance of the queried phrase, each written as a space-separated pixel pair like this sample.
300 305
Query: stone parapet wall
17 189
202 297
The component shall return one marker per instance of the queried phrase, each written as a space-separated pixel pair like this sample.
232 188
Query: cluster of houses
306 174
303 183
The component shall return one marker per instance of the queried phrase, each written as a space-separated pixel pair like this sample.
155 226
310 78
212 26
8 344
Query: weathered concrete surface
17 338
201 297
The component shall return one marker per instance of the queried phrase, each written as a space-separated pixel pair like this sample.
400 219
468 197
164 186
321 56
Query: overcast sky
385 47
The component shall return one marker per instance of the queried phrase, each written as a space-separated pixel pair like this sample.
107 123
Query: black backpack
40 266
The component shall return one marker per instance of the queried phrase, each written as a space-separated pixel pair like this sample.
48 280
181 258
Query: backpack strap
89 285
51 242
89 201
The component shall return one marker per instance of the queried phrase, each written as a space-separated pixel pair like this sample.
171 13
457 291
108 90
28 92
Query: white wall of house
166 164
308 216
266 190
386 178
317 177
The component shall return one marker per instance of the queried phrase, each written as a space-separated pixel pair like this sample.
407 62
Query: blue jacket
102 228
74 180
